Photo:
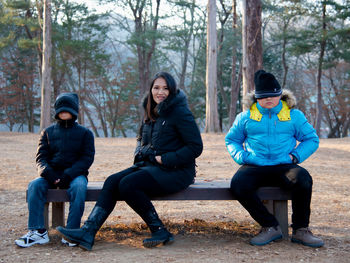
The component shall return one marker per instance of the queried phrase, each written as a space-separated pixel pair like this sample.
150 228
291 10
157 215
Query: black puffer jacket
66 149
176 138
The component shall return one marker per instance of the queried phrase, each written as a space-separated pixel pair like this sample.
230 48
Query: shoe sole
86 247
31 244
83 246
69 244
154 243
277 238
297 241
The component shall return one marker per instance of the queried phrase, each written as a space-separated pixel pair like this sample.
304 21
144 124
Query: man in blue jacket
263 140
65 152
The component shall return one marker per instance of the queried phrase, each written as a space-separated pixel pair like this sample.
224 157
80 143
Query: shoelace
29 234
306 230
265 229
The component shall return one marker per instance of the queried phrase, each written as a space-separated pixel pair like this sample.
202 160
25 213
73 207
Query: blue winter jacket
265 137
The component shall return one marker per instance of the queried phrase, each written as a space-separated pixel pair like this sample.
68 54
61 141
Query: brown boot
305 237
267 235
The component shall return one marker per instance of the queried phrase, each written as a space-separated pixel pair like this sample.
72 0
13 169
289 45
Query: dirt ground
215 231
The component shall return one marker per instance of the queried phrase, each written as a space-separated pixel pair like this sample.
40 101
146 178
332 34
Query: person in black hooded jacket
164 162
65 152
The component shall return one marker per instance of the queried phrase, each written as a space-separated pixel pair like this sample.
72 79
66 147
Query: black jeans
132 185
289 176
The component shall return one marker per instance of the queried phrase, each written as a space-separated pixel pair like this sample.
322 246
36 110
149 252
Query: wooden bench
276 199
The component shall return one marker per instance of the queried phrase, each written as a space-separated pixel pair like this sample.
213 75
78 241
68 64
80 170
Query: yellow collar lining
283 115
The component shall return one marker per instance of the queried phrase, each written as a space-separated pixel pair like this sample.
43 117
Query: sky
164 9
106 7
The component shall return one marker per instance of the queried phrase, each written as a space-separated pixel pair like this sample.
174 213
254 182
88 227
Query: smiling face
159 90
270 102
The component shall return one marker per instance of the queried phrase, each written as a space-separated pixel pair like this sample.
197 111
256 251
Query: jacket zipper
269 135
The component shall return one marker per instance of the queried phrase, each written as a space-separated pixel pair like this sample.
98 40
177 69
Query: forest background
108 57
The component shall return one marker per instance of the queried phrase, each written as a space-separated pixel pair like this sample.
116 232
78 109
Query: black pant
290 176
132 185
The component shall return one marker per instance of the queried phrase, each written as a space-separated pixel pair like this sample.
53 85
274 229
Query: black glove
64 181
152 159
138 158
52 177
146 151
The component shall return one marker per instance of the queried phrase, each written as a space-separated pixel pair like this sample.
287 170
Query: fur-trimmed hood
287 96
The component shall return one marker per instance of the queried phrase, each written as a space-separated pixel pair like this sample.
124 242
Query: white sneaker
65 242
31 238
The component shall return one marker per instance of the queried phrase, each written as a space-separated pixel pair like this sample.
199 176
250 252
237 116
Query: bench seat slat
199 191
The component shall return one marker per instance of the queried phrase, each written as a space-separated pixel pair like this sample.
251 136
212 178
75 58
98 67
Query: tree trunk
57 75
187 42
29 14
284 61
235 81
251 42
45 118
29 101
319 103
212 120
224 14
346 127
235 87
88 115
144 52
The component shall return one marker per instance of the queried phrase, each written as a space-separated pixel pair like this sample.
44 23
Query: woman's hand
159 159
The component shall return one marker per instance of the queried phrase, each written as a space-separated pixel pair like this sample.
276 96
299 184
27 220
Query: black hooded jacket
66 149
176 138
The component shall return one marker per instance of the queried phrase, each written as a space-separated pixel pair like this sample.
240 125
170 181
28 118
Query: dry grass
206 231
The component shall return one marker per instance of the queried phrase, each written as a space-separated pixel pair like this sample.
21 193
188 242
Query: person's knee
125 188
109 180
112 182
238 188
79 184
77 189
39 184
304 179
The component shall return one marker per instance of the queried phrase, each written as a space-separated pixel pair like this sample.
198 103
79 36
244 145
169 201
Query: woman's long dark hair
150 113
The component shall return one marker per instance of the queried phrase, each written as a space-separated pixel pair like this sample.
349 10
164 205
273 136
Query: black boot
159 233
85 235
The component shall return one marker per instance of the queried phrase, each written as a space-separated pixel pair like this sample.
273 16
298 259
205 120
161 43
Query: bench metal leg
58 214
281 213
46 215
279 208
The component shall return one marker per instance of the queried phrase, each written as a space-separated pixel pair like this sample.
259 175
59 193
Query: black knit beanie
266 85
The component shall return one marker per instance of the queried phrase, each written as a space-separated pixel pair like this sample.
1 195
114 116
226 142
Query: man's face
269 102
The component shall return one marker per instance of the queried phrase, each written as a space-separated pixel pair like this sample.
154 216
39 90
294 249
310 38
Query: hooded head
68 102
266 85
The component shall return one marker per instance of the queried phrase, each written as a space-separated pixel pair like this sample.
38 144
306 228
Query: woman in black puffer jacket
164 163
